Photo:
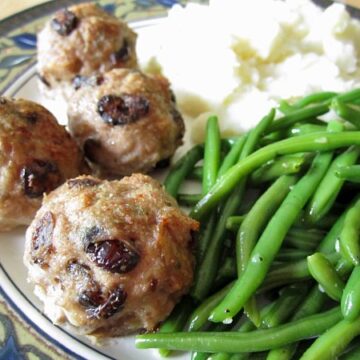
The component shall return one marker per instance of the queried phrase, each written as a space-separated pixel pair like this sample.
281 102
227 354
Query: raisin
121 55
39 177
163 164
90 147
83 182
113 255
41 240
64 22
2 101
100 308
121 110
31 117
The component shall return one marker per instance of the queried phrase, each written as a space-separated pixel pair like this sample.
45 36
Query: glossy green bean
233 222
227 271
211 154
188 199
274 169
349 236
289 273
304 129
270 241
333 342
233 156
181 169
325 274
200 315
302 239
204 236
306 143
349 173
350 301
258 217
284 306
298 115
346 112
206 270
235 342
290 255
196 173
330 186
311 305
314 98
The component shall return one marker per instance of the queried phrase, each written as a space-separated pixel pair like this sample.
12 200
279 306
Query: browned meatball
79 43
110 257
127 124
36 156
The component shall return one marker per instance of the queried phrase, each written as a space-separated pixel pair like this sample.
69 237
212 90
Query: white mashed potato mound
237 59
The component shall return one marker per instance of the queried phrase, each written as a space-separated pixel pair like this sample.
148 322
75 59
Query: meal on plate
80 42
128 123
110 257
36 156
269 256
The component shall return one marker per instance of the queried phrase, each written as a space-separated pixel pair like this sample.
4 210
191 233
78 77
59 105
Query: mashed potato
237 59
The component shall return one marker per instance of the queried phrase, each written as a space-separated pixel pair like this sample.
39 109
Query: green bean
289 273
299 115
314 98
176 321
313 303
306 143
274 169
331 344
181 169
330 186
204 236
199 316
270 241
289 299
259 340
196 173
325 274
349 173
346 112
257 218
232 157
285 107
304 239
350 301
289 255
188 199
206 270
227 271
211 154
255 134
205 273
349 236
354 354
233 222
304 129
199 356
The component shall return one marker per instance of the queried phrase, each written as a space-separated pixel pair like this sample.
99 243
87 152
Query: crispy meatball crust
80 42
127 124
36 156
110 257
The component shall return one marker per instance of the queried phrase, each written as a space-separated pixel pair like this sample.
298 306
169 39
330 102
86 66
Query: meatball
127 124
110 257
36 156
79 44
